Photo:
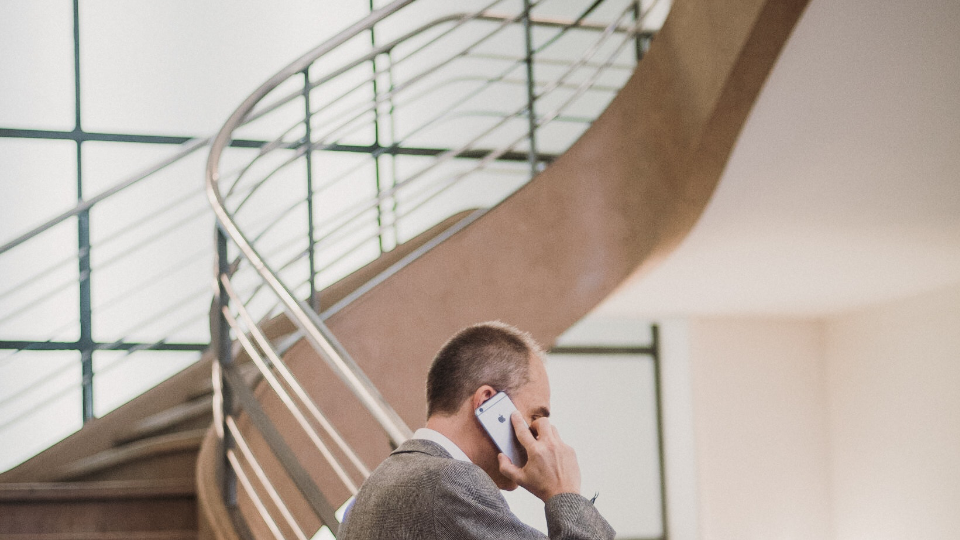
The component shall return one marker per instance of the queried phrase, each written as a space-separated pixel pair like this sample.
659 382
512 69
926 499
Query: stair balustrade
462 111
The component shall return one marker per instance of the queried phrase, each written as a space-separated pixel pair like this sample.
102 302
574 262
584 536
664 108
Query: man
446 481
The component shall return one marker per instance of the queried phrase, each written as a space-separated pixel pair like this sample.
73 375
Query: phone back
494 416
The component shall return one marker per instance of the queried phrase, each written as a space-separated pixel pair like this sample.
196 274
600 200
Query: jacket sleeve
571 515
469 505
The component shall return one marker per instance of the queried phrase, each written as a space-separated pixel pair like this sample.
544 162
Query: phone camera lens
481 409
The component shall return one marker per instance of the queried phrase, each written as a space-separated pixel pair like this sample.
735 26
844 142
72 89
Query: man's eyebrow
541 412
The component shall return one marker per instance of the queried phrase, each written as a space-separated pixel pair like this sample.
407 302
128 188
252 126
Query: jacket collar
422 446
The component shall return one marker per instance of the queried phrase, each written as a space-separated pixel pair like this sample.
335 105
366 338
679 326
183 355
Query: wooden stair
129 509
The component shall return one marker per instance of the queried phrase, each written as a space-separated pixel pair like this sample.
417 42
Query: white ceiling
844 188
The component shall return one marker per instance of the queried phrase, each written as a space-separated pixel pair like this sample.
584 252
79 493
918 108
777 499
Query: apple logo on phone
501 419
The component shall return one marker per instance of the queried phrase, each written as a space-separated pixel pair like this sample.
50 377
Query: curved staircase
615 203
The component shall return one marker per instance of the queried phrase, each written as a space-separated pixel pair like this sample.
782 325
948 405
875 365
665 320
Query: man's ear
482 394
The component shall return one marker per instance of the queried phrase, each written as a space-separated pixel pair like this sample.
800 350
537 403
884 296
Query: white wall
760 421
894 383
844 427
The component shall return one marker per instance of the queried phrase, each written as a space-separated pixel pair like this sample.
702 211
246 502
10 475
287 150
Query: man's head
472 367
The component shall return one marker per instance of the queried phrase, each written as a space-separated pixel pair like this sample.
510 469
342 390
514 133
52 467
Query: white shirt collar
428 434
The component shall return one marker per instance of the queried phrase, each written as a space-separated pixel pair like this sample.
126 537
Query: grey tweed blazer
421 492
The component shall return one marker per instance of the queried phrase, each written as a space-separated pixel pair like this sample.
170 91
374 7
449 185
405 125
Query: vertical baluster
642 39
391 111
85 343
308 141
377 148
531 89
220 326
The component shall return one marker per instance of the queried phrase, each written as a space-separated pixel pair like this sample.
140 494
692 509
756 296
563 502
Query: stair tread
112 535
102 490
168 418
160 444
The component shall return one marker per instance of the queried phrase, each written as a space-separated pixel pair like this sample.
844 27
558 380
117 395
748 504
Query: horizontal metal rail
264 480
384 49
254 497
290 405
277 363
298 474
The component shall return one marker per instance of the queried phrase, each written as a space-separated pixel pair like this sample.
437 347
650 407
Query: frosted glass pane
184 66
36 67
343 107
152 247
120 377
429 201
39 290
48 412
348 187
39 182
38 279
605 408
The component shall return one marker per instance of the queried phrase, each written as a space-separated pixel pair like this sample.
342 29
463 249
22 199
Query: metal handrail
462 17
308 322
285 397
51 292
341 230
288 402
264 480
459 18
254 497
279 365
389 47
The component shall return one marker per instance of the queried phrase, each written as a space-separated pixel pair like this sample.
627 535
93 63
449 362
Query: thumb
508 469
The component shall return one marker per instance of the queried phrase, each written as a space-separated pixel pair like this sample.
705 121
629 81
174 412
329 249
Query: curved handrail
456 17
306 319
295 142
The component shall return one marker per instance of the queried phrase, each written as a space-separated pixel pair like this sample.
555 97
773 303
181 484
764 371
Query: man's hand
551 466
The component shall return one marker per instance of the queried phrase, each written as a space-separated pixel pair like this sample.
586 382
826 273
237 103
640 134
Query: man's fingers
545 430
508 469
523 432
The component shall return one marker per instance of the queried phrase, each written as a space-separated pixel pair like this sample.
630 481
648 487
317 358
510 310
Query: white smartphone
494 416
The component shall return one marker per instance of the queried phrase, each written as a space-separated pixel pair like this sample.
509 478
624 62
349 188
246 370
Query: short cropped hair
491 353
